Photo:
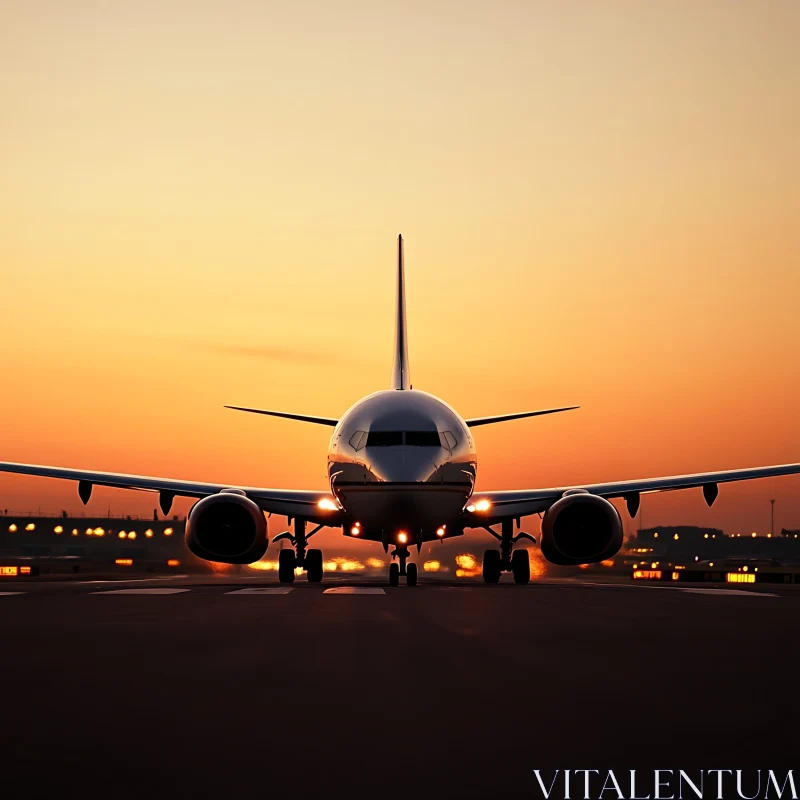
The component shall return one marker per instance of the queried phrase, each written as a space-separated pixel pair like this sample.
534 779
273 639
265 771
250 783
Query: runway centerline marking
354 590
160 590
263 590
729 591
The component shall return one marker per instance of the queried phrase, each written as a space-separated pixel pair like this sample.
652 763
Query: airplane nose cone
404 464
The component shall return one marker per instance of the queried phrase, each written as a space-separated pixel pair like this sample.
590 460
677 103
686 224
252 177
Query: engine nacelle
227 527
581 528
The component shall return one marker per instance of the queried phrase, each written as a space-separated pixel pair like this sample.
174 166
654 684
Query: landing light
402 537
326 504
440 532
482 505
355 530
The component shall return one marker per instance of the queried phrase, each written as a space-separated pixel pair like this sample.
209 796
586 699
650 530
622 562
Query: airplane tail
401 374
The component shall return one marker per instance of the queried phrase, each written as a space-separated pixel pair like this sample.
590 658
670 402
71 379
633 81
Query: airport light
132 535
121 535
30 527
12 528
149 533
59 529
99 532
9 572
173 562
124 562
167 531
655 535
74 531
676 537
89 531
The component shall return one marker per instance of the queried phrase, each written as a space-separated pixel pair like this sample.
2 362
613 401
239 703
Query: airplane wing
289 502
286 415
475 421
484 508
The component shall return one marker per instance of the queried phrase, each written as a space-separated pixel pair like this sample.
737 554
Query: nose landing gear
506 559
402 569
309 560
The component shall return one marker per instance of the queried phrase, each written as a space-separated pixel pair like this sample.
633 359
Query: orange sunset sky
199 204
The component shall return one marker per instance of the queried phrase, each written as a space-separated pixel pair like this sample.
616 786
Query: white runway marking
263 590
8 594
160 590
729 591
137 580
354 590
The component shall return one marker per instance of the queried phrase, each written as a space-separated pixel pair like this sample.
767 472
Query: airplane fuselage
402 463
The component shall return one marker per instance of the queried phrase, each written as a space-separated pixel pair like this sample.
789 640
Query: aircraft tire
521 566
394 574
491 566
286 564
314 566
411 575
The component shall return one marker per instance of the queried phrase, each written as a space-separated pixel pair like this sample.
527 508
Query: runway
202 687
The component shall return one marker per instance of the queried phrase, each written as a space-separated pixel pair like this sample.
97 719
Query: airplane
402 467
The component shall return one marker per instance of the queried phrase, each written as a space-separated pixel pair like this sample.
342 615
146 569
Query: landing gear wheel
394 574
521 566
491 566
314 566
286 564
411 575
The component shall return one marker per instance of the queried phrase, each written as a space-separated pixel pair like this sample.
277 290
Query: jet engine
227 527
580 528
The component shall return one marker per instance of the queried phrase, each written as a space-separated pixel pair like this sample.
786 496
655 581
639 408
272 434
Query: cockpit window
384 438
358 439
423 439
450 440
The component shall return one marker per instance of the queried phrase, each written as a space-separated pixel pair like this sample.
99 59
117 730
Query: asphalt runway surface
203 687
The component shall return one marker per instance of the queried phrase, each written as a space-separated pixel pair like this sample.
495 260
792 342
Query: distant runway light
122 534
167 531
30 527
12 528
132 535
149 533
59 529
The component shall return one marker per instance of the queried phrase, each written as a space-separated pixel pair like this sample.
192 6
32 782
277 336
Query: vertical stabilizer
401 374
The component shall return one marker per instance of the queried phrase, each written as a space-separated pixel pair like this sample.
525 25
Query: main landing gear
506 559
309 560
398 570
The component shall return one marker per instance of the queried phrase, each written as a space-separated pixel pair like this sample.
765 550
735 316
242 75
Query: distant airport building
74 543
687 543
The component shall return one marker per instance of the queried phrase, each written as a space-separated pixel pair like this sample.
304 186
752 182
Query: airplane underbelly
415 508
